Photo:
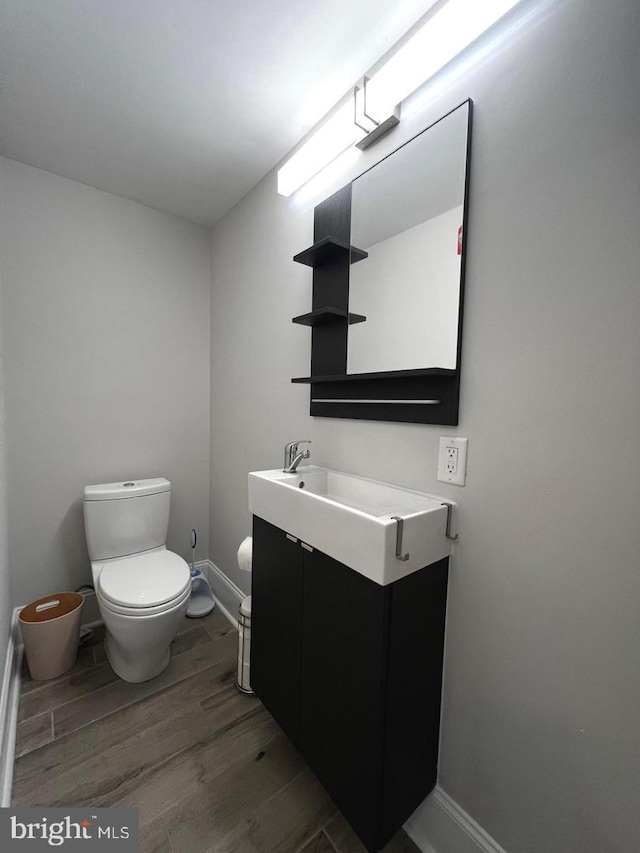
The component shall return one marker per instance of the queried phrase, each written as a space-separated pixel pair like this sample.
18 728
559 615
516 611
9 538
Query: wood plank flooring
207 766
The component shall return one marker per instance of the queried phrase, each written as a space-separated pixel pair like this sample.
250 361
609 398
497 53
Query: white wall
540 741
106 316
255 347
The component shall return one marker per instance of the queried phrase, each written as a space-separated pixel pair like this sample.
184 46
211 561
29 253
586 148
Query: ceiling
183 105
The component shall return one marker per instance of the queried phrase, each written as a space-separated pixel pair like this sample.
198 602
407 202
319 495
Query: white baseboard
440 825
90 610
9 699
228 596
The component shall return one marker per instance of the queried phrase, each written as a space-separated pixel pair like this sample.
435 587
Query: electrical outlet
452 460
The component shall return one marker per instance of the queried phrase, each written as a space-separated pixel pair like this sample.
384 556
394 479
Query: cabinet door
414 686
343 653
276 611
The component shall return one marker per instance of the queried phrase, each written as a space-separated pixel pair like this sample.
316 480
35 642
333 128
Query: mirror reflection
407 213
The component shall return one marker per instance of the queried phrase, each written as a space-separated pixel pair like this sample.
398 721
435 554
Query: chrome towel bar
399 530
380 402
449 519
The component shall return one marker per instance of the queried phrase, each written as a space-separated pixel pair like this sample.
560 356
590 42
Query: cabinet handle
291 538
307 547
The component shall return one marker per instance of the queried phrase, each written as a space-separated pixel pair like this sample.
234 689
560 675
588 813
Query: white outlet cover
452 460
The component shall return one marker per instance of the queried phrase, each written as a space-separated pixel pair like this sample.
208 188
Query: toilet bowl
142 592
142 611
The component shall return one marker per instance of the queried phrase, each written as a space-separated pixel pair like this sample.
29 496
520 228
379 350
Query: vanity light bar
442 37
331 139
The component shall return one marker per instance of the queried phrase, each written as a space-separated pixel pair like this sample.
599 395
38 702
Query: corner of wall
10 652
9 699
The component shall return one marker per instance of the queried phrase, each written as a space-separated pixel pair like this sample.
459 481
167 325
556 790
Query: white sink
351 519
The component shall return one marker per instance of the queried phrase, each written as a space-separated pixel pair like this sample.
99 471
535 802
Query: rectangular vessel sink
350 518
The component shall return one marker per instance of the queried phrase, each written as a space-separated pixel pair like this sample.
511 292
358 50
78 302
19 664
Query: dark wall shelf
327 250
328 315
389 374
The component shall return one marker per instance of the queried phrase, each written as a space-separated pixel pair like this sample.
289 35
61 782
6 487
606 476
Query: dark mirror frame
427 396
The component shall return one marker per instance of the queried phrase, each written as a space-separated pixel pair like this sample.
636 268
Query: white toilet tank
126 518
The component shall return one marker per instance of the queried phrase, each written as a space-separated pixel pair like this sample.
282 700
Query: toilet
142 589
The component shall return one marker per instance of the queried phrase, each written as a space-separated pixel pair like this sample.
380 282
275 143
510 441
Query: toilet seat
142 612
144 584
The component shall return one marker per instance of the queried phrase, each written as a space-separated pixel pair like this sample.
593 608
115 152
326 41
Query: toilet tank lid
126 489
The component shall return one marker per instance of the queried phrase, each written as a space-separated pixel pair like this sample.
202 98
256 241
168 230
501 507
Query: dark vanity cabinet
352 672
277 599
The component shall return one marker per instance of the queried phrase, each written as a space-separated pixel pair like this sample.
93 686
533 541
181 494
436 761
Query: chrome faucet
292 458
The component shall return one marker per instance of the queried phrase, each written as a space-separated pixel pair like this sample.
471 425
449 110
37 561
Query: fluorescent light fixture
331 139
442 37
327 178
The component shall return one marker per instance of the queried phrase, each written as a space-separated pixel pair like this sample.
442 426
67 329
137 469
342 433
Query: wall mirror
407 213
388 262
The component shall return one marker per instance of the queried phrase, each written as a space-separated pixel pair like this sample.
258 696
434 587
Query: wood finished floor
208 767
